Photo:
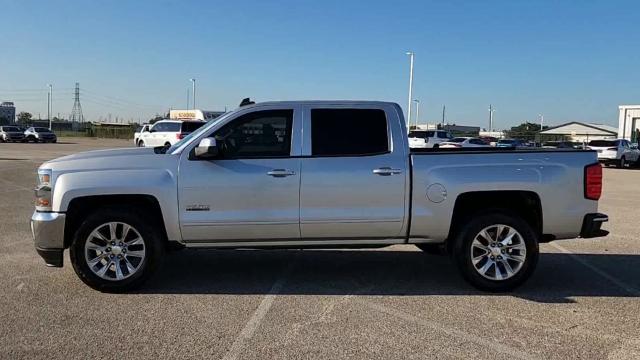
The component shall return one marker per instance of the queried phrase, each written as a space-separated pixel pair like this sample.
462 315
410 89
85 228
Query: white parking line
493 345
628 288
253 323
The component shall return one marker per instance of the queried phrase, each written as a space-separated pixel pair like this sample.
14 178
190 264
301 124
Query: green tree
24 117
526 131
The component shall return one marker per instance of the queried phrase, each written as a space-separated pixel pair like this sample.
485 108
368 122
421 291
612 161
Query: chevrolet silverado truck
307 174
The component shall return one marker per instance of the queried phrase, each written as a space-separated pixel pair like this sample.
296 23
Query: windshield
603 143
458 140
197 133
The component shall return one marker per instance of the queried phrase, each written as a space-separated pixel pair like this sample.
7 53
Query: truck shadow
558 278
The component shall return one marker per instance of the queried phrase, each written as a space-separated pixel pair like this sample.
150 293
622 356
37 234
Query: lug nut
499 257
113 243
492 257
108 249
111 256
121 243
502 251
124 251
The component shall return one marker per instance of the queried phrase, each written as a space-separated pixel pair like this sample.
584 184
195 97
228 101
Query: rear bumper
47 229
591 225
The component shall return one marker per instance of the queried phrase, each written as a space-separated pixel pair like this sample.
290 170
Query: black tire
141 143
433 249
167 144
436 146
153 242
622 162
461 251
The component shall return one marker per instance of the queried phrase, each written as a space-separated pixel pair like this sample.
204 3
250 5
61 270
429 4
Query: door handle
280 173
386 171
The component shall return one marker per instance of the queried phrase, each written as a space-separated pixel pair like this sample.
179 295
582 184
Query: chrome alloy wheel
498 252
114 251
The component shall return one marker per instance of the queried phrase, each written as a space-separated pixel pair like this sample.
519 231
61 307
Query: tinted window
190 126
418 134
257 134
171 127
604 143
10 128
508 142
348 132
458 140
443 135
42 130
477 142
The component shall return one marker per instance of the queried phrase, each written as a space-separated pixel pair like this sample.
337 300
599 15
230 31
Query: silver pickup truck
312 174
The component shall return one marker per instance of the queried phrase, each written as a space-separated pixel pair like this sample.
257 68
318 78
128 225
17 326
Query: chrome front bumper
47 229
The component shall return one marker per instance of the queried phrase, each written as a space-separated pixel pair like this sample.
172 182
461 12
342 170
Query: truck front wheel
116 250
495 251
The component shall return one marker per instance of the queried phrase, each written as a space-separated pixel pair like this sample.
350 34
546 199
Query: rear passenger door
353 182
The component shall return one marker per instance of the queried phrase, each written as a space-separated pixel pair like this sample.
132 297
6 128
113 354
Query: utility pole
410 87
417 111
541 125
193 80
188 90
49 107
491 110
444 107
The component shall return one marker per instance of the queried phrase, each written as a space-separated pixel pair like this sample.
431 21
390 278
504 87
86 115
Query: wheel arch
81 206
525 204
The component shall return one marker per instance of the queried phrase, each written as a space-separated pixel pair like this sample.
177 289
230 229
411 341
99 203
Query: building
7 113
194 114
583 132
629 122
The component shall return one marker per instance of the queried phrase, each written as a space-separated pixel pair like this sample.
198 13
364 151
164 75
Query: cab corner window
348 132
260 134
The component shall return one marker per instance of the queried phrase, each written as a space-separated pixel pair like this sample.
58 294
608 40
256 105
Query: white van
166 132
428 138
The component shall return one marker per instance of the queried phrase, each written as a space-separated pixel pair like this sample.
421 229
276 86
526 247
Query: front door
353 186
251 191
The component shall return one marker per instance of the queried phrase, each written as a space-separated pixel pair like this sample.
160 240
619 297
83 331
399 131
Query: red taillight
593 181
179 136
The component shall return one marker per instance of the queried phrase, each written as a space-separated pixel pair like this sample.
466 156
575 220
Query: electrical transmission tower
76 113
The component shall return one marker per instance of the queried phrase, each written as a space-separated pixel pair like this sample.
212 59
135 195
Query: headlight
43 190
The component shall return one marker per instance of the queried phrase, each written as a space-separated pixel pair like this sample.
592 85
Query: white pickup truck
312 174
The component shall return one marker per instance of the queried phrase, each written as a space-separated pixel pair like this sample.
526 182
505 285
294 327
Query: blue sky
570 60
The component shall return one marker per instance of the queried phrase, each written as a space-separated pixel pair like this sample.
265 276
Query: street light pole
417 111
410 87
193 93
49 104
491 110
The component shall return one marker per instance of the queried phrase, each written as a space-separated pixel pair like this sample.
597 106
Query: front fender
159 183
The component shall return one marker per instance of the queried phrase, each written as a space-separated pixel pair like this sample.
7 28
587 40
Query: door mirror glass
206 149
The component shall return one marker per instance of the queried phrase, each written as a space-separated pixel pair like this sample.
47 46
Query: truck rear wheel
116 250
495 251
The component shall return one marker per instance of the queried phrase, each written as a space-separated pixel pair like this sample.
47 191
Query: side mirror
634 146
207 148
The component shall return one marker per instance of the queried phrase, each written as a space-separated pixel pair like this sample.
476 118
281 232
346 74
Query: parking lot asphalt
397 302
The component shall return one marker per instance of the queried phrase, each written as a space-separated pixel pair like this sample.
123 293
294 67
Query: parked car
489 140
40 134
139 131
299 174
507 143
166 132
11 133
427 138
460 142
618 152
